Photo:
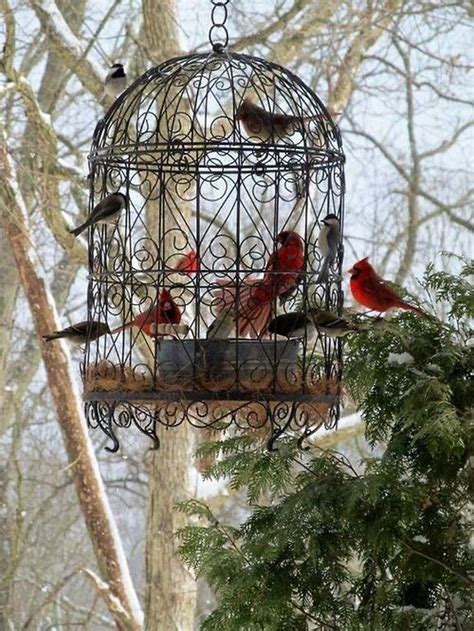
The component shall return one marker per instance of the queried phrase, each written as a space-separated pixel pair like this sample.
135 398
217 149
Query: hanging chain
218 35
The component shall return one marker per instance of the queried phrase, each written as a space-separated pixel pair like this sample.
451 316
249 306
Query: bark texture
171 591
84 468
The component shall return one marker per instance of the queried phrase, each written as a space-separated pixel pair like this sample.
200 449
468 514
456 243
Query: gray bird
296 324
221 327
81 332
107 211
328 244
115 81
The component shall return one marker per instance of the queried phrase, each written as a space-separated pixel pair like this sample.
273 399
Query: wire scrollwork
197 179
218 34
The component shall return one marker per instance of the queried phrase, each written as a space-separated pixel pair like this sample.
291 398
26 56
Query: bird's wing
77 329
106 207
377 286
333 242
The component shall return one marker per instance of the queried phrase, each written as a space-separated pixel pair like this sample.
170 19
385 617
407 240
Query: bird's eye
167 306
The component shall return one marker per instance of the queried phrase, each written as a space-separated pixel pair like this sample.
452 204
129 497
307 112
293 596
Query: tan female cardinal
255 300
372 291
258 123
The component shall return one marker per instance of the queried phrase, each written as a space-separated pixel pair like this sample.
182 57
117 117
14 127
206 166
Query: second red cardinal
164 311
255 301
372 291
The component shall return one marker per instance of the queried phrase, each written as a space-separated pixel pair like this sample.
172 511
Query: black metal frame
195 179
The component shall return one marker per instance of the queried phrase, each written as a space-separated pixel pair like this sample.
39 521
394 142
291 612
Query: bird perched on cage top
372 291
164 311
298 324
258 123
115 81
254 303
328 243
107 211
81 332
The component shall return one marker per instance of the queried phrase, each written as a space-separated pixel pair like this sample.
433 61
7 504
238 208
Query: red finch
255 301
373 292
164 311
258 123
107 211
188 263
81 332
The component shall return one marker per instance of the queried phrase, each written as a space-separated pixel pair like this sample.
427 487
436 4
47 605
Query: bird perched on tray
221 327
107 211
80 333
372 291
115 81
258 123
297 324
255 300
164 311
328 243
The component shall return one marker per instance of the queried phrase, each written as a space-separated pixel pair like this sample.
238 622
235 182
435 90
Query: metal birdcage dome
203 177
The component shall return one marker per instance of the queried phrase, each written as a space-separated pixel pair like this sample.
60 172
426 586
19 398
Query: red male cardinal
254 303
372 291
164 311
188 263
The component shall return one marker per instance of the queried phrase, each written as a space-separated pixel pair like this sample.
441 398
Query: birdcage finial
218 35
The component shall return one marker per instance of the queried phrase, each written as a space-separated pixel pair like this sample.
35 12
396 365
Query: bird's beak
350 271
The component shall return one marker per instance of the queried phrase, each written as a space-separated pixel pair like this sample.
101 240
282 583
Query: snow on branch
103 589
89 485
51 170
66 45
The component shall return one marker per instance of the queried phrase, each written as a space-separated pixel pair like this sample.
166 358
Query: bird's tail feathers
318 117
405 305
121 328
77 231
51 336
255 322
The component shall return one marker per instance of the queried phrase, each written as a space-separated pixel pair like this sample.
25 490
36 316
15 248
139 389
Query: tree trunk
170 601
89 487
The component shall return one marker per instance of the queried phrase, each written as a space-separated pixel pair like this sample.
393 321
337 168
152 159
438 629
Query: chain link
218 35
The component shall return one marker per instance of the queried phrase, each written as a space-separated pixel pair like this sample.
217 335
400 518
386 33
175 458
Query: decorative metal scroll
198 179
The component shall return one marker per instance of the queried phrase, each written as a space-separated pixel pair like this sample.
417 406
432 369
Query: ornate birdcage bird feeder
229 163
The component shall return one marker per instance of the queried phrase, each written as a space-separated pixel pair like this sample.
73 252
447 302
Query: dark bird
115 81
328 243
258 123
80 333
296 324
107 211
372 291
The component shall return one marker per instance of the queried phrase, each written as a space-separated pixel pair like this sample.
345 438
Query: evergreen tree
380 544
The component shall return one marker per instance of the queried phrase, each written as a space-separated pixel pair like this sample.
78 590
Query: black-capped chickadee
115 81
328 244
107 211
81 332
296 324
